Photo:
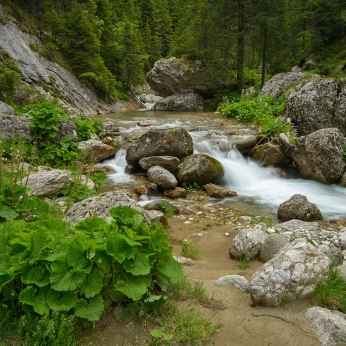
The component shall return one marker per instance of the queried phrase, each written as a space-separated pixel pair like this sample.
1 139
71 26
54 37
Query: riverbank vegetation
110 44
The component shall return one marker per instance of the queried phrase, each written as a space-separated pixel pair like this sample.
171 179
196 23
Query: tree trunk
264 52
240 63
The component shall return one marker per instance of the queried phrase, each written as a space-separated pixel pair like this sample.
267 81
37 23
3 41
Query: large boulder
162 177
319 155
48 182
174 76
95 150
247 243
272 245
276 85
171 142
199 168
270 154
298 207
292 274
180 102
329 326
6 109
317 105
100 206
169 162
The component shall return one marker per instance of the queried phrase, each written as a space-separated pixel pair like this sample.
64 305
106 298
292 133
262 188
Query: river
260 189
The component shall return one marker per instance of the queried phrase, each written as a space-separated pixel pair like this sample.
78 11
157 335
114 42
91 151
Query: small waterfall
267 187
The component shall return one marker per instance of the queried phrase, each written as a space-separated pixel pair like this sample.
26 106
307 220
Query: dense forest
111 44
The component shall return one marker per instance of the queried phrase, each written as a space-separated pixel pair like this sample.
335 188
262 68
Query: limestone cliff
38 71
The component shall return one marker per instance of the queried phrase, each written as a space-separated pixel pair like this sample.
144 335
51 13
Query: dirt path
242 325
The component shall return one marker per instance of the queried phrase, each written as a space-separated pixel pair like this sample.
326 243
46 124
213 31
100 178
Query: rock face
200 169
100 205
15 126
290 275
35 69
247 243
270 154
330 326
171 142
174 76
180 102
217 191
272 245
169 162
319 155
316 105
275 86
6 109
162 177
45 183
298 207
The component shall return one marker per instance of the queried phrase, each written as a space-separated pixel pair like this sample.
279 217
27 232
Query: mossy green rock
269 154
200 169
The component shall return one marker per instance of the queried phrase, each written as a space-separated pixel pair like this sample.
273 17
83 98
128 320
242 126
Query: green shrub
47 267
261 111
85 126
190 250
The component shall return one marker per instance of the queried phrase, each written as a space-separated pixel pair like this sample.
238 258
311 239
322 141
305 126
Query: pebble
226 234
187 222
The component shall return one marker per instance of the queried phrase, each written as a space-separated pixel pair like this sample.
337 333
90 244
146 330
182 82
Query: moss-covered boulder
200 169
270 154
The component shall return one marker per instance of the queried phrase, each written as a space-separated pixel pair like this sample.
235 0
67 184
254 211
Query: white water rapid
259 188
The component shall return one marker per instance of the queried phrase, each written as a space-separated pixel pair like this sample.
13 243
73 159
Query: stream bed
260 189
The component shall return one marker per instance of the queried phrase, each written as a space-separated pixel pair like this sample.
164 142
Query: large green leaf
61 301
90 309
168 266
6 278
92 225
7 213
37 301
140 265
126 216
63 278
36 275
77 251
132 286
159 239
93 283
118 246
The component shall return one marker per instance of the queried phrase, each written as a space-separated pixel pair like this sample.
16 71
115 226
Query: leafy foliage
45 267
86 126
262 111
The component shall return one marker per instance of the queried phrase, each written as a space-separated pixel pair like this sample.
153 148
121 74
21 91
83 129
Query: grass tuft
190 250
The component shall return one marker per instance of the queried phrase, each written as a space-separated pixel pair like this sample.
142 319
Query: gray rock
168 162
247 243
298 207
292 225
272 245
343 180
96 151
100 206
333 252
343 239
49 182
316 105
15 126
276 85
200 169
237 280
174 76
150 98
171 142
184 260
319 155
6 109
154 216
310 65
342 269
180 102
290 275
329 326
162 177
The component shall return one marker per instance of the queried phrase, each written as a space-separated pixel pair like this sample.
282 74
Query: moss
215 165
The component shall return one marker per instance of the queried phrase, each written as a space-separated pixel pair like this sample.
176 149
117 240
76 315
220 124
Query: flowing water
260 189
